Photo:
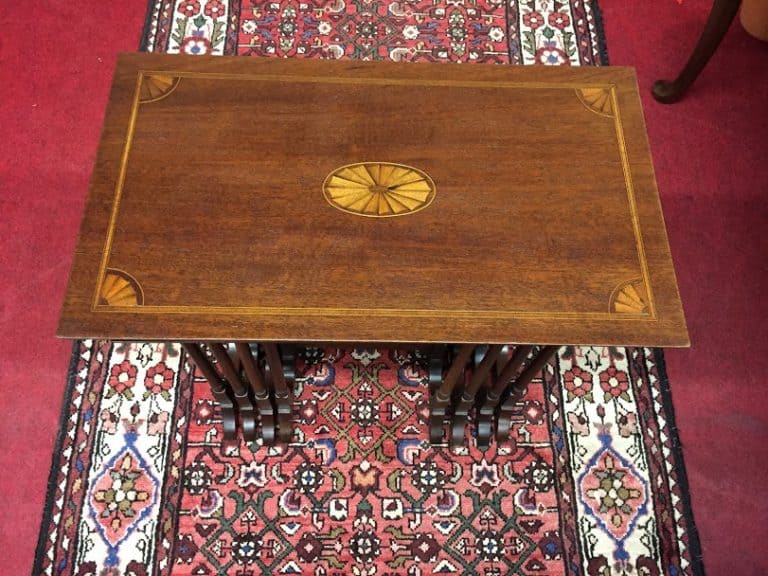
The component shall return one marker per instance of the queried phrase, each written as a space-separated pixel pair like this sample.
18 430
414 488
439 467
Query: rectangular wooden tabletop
298 200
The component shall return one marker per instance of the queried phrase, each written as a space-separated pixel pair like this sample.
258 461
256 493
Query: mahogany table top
297 200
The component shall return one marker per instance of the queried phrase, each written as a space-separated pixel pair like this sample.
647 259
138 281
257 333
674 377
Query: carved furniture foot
281 390
460 417
486 411
219 388
720 18
506 410
245 408
259 390
441 398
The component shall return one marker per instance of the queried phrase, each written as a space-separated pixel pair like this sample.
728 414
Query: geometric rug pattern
589 482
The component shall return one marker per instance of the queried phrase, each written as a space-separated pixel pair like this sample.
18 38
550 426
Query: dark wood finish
218 389
441 398
245 407
486 409
282 394
460 417
259 390
287 352
720 18
436 362
252 371
488 258
507 408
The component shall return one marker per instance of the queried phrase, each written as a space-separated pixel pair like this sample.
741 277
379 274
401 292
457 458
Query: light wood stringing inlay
600 99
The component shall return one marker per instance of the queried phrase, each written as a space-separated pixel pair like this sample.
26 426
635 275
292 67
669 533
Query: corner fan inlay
630 298
120 289
156 87
379 189
596 99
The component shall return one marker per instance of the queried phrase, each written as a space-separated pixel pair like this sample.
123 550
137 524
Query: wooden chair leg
720 18
219 388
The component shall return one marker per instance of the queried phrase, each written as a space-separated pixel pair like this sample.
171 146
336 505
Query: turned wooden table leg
486 411
282 393
720 18
441 398
436 360
467 399
244 405
260 391
218 388
506 410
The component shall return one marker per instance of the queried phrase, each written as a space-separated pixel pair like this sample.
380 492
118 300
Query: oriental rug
591 480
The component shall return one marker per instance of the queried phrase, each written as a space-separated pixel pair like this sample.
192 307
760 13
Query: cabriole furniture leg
720 18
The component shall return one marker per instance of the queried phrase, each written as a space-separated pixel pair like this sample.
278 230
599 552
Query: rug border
53 473
602 42
694 542
74 357
149 13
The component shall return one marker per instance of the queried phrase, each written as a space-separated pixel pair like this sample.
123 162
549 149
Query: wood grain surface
208 201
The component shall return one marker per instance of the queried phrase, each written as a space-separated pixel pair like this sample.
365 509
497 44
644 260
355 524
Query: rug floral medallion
590 482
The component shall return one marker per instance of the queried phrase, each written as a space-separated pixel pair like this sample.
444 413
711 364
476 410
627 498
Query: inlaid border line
381 312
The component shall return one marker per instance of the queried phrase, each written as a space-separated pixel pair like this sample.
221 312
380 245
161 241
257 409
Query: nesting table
243 206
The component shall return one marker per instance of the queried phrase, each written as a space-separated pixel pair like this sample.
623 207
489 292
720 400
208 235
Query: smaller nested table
255 204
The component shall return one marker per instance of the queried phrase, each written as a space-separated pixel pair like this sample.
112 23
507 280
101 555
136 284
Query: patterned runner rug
590 482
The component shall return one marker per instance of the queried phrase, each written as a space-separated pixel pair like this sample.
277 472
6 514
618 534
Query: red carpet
709 153
711 165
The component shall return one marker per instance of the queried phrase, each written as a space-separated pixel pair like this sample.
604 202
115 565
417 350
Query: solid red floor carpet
56 62
711 165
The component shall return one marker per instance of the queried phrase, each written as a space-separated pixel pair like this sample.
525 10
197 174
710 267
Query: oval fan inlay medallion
379 189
